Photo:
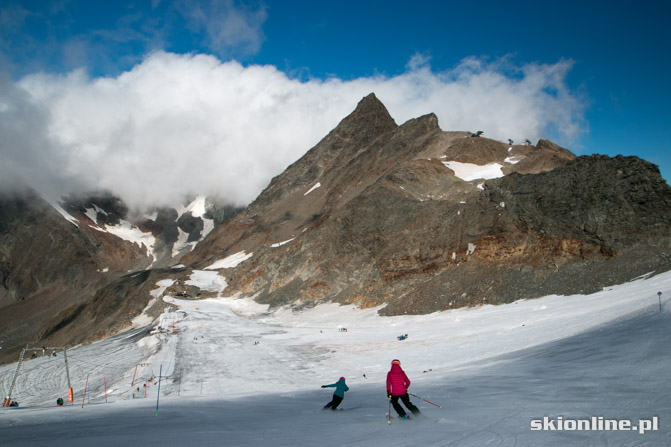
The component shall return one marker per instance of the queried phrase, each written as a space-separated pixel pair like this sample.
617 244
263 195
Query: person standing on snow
338 394
397 387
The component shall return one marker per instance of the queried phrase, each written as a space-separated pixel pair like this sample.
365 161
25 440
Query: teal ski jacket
340 387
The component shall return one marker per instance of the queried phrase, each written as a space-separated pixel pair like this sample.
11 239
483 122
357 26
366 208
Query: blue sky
591 75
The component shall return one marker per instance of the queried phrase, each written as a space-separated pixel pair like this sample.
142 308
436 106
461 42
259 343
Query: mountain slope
83 269
49 263
425 220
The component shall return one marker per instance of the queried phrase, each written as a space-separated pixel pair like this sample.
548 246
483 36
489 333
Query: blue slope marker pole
659 294
158 394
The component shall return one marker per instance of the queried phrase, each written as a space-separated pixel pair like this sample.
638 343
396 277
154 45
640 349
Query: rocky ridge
374 214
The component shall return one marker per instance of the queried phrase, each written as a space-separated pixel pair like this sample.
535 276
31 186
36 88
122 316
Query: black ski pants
334 403
406 401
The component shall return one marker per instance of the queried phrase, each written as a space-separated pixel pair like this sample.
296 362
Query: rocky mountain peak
370 106
405 216
370 119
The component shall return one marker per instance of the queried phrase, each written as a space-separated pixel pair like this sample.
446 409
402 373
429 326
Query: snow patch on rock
230 261
470 171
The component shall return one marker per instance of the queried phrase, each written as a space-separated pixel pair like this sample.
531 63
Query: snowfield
469 171
234 372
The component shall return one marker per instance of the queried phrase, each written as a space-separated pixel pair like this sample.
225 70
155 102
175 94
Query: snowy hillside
235 373
132 233
197 210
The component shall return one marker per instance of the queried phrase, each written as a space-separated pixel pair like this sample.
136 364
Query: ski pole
389 412
428 402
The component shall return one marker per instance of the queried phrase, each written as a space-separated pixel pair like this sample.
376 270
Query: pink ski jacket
397 381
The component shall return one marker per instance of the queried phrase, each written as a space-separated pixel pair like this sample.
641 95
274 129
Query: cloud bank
178 125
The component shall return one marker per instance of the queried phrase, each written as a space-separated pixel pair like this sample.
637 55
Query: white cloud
228 27
191 124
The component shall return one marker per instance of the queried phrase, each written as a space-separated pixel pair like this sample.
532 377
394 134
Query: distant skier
59 402
338 394
397 387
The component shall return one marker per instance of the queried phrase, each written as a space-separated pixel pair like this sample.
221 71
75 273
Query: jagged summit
369 119
370 114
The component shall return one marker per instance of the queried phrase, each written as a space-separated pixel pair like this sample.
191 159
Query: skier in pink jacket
397 387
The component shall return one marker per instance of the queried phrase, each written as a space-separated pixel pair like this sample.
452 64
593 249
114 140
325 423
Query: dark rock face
193 226
220 213
611 202
112 209
35 241
48 264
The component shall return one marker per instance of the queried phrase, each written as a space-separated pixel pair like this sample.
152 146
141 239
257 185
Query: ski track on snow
233 370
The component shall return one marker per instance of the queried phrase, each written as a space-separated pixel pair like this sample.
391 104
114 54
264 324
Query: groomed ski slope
236 373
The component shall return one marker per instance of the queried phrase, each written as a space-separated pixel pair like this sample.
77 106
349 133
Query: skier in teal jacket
338 394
